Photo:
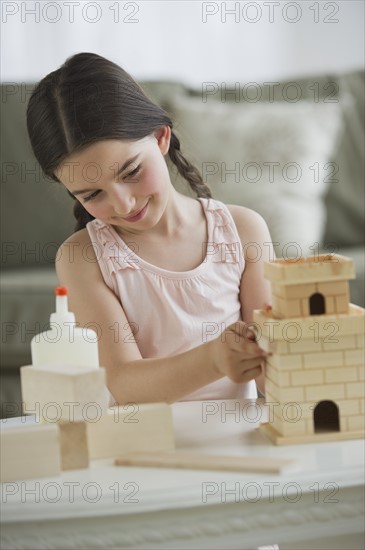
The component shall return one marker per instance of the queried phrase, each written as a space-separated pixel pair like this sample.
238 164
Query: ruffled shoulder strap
111 252
224 241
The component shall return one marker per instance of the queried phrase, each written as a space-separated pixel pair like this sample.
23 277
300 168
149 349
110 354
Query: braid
187 170
82 216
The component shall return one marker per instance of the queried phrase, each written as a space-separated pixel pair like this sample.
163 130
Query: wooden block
29 451
298 291
73 445
350 323
132 428
333 288
279 346
330 305
286 428
324 392
348 374
339 342
286 362
284 395
324 359
278 439
313 269
354 357
305 345
292 308
66 392
278 377
360 341
355 390
348 407
356 422
342 304
194 461
307 377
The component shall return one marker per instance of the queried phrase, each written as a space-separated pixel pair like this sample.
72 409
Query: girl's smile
138 215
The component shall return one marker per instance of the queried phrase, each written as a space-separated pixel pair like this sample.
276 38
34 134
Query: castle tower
314 385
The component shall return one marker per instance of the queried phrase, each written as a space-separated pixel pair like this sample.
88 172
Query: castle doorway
326 417
316 304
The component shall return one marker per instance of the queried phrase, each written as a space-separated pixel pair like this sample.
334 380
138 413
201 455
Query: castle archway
317 304
326 417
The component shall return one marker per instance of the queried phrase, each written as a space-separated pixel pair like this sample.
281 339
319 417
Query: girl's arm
130 378
255 292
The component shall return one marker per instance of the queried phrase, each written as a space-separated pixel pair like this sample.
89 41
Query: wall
190 40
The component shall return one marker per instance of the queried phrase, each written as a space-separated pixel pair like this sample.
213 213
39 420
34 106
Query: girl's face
124 183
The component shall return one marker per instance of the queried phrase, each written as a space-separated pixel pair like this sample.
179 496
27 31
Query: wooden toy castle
315 375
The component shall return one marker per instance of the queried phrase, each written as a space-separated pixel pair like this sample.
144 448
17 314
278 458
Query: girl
164 277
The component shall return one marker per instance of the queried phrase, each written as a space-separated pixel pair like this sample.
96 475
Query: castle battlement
314 269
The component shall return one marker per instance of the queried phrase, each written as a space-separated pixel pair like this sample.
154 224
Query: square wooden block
131 428
64 392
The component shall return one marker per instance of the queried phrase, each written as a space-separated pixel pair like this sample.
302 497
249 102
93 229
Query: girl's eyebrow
120 171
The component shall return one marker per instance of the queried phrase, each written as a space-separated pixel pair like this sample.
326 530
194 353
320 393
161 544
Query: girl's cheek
97 211
149 185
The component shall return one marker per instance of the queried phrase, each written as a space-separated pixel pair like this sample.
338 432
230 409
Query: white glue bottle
65 343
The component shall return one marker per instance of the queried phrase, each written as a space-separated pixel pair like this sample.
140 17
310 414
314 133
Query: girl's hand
236 354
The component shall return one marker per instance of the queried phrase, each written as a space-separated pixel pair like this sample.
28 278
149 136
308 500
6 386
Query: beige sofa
234 136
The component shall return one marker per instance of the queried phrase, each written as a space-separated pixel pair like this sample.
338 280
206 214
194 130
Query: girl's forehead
105 154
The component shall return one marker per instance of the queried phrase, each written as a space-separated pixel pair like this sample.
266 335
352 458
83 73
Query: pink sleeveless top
171 312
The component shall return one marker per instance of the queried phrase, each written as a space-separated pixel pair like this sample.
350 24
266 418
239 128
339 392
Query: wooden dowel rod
194 461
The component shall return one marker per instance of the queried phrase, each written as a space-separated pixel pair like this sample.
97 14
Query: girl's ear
163 136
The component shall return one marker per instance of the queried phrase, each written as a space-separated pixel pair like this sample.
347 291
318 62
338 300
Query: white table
319 506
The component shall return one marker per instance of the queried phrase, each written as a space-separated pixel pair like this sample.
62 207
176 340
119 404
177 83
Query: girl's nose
122 202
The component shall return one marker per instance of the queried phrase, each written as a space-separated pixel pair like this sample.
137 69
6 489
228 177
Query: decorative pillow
270 157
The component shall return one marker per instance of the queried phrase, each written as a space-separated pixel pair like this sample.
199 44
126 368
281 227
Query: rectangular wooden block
339 342
325 391
284 395
355 389
305 345
277 376
64 392
333 289
356 422
286 362
324 359
307 377
295 291
324 326
342 304
347 374
354 357
131 428
314 269
73 445
29 451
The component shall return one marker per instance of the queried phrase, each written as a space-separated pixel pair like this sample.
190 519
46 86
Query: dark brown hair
89 99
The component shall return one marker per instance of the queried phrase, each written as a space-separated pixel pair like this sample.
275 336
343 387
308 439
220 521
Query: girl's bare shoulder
75 252
250 224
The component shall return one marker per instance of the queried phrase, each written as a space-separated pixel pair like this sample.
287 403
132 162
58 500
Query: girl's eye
130 174
91 197
134 172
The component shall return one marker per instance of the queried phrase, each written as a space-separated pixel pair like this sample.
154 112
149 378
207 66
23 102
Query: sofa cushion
270 157
27 300
36 212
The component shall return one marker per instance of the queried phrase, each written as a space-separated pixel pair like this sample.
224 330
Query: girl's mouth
139 215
